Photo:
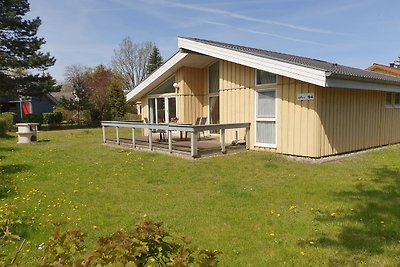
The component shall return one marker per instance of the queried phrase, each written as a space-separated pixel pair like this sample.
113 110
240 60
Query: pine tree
155 61
22 64
117 101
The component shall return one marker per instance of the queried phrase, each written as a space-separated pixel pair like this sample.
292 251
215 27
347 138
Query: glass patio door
265 129
162 109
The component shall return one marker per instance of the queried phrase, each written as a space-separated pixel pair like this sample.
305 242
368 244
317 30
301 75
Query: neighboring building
296 105
389 70
28 105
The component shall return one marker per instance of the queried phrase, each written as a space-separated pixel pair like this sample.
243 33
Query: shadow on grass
7 187
370 225
7 136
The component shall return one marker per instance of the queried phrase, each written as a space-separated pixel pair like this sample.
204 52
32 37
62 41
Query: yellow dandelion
94 227
272 234
312 243
278 215
272 212
382 222
145 215
292 207
333 214
302 253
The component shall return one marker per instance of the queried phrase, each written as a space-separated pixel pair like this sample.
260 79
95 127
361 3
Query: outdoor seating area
176 141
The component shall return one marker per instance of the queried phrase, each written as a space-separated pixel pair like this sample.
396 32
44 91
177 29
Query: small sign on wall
305 96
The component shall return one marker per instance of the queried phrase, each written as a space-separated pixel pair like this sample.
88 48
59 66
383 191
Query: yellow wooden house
296 105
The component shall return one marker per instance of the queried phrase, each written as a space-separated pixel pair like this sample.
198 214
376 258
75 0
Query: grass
257 207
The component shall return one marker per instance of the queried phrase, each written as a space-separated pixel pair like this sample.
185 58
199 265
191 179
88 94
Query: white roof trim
317 77
353 84
160 74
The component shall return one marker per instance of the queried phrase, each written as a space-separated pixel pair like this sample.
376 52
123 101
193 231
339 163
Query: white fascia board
146 85
310 75
351 84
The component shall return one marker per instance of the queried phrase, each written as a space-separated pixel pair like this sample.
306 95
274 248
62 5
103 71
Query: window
392 100
388 102
266 118
264 77
213 78
166 87
396 100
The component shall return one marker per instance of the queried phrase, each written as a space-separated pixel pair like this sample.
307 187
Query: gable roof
314 71
385 69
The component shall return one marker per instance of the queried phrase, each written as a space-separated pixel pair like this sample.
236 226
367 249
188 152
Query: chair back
203 121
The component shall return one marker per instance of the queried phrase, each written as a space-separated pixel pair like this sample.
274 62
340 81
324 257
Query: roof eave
337 81
157 76
301 73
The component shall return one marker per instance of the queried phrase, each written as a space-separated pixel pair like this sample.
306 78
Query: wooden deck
206 146
173 143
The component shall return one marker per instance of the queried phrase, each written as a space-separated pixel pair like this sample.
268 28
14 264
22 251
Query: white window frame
166 103
391 100
395 105
256 119
210 95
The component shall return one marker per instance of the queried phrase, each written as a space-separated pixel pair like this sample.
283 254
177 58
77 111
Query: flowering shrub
149 244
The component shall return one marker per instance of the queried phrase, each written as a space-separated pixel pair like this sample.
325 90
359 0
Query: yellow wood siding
352 120
191 97
236 97
296 120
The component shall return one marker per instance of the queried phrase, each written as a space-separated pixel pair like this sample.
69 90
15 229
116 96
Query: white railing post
170 141
150 139
104 135
247 138
193 143
222 134
133 138
117 133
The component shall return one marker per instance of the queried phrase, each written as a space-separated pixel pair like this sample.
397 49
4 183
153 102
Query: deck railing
194 131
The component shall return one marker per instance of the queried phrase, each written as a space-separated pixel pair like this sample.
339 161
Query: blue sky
350 32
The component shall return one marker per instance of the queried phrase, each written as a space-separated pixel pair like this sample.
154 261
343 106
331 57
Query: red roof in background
386 69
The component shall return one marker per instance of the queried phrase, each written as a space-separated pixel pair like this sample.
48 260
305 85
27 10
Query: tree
131 61
155 61
22 64
98 82
75 78
117 101
97 90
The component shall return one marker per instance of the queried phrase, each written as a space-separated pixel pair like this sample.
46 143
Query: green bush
3 127
52 118
149 244
9 118
33 118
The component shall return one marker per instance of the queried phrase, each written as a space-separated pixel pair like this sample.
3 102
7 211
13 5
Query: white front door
265 128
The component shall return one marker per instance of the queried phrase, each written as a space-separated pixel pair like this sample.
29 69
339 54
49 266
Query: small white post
117 133
247 138
104 135
222 134
133 138
150 139
170 141
193 143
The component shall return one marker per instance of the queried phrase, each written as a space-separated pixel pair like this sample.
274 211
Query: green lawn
258 208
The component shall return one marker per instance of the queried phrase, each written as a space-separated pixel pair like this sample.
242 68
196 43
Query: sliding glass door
162 109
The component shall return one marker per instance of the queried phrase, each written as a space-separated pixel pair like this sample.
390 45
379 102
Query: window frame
261 86
265 119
